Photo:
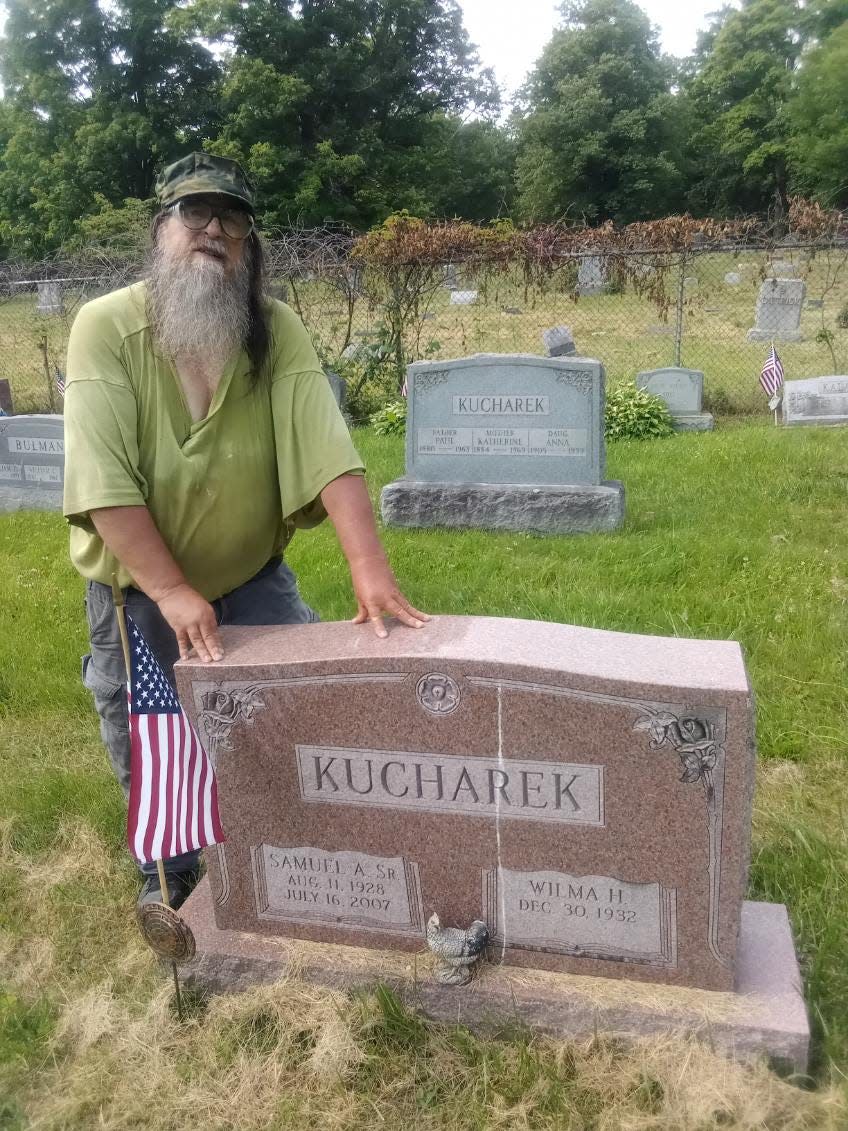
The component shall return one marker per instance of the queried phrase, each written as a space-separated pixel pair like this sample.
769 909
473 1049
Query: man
200 430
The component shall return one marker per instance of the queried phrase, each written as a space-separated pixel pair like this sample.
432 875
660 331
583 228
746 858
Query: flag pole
120 613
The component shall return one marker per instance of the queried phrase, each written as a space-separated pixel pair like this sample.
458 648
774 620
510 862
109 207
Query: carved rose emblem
438 694
693 739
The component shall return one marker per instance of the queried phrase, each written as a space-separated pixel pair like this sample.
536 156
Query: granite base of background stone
29 499
693 422
766 1016
548 509
756 335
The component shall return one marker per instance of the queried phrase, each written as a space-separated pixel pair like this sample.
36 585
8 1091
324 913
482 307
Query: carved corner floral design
221 710
582 382
693 739
426 381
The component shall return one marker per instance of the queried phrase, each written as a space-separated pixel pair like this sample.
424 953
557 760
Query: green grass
740 534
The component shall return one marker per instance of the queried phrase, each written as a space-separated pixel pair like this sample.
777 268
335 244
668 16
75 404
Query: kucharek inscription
492 787
311 885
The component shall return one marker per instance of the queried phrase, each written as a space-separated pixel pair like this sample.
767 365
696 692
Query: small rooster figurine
456 950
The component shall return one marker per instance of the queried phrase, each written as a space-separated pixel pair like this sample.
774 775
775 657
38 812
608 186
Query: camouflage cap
200 173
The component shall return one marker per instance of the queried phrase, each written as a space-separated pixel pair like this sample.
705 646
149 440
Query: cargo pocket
110 702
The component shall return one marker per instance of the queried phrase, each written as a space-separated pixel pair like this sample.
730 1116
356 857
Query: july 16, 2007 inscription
588 916
353 889
485 787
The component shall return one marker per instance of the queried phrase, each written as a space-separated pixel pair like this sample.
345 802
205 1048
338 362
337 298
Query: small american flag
60 382
404 389
173 805
771 377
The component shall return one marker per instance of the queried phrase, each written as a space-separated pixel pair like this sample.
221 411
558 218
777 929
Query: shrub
390 420
633 414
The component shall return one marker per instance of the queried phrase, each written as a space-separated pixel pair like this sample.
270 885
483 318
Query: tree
738 96
820 142
96 98
338 108
596 130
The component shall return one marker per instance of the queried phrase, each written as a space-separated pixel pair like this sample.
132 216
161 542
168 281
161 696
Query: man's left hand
378 595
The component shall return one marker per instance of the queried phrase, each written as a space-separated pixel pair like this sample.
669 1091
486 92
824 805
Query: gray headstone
428 316
339 387
6 398
49 298
506 418
690 282
683 392
512 310
32 462
817 400
451 278
660 329
779 311
681 389
733 278
592 275
559 341
463 298
815 303
782 269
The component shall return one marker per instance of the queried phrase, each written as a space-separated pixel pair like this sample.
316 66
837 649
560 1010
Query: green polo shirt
225 492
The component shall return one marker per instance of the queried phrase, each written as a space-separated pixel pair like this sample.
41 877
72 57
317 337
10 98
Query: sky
510 34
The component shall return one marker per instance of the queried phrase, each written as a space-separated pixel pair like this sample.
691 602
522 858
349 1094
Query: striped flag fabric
60 382
173 805
771 377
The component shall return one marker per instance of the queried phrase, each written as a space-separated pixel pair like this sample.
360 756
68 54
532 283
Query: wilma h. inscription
347 889
590 916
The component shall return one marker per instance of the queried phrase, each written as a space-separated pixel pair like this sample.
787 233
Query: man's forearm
132 536
348 505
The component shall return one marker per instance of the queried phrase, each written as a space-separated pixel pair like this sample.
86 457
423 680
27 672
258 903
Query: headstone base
546 509
765 1016
693 422
28 499
756 335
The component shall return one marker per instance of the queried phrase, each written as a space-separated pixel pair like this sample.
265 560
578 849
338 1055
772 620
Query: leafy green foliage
820 142
633 414
597 133
390 420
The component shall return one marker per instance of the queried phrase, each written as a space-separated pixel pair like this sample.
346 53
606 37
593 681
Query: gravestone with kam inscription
32 462
508 442
816 400
586 794
682 390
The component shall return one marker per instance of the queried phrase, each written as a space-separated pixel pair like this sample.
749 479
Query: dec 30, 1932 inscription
584 916
486 787
347 889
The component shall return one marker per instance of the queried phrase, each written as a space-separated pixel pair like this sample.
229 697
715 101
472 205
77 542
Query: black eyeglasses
235 222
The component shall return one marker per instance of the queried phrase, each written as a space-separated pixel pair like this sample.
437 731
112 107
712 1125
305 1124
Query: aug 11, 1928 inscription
485 787
591 916
347 889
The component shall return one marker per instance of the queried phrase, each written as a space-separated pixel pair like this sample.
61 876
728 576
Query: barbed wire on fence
671 292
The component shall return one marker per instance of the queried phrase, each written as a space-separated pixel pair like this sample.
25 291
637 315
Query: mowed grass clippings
739 534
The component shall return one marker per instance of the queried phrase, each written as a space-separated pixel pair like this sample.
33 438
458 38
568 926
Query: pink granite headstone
587 794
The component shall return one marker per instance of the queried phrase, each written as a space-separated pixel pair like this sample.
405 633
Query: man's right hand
193 620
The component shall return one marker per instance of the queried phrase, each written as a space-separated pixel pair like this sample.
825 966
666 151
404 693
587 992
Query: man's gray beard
196 309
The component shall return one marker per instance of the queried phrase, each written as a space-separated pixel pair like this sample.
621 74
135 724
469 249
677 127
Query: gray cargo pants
271 597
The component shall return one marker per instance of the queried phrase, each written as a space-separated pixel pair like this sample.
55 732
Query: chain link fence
711 309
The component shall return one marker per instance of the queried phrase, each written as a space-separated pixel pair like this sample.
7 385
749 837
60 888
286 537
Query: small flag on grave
60 382
173 806
771 378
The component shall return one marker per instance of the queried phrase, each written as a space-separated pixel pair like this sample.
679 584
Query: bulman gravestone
32 462
817 400
779 311
683 393
586 794
505 441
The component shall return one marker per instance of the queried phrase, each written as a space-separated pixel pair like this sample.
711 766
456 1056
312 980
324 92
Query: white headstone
733 278
49 298
592 275
463 298
817 400
779 311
